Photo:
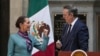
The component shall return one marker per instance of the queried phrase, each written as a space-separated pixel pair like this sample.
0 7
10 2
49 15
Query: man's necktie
69 30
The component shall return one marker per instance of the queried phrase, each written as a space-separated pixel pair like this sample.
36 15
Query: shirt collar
74 21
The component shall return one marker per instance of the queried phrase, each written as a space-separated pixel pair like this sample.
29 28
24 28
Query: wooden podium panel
64 53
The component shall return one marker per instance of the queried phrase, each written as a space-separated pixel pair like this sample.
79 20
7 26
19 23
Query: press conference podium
64 53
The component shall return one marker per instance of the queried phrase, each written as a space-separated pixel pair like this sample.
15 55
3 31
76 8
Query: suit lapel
74 29
70 37
63 37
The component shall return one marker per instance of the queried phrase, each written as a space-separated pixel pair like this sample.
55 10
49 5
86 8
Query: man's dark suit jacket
77 39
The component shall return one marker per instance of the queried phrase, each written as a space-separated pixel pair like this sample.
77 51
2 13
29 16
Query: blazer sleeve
10 46
43 45
83 37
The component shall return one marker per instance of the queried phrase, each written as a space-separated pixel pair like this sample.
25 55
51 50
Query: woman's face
25 26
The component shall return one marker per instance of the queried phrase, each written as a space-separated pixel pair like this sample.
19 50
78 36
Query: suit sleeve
83 37
41 46
10 46
63 31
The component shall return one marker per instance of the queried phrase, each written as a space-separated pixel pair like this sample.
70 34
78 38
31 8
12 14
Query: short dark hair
20 19
72 10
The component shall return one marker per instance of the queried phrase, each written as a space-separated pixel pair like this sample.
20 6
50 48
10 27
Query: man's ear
71 14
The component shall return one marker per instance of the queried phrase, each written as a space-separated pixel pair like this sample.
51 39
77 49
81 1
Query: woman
21 43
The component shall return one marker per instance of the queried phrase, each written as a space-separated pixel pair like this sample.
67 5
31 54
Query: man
75 33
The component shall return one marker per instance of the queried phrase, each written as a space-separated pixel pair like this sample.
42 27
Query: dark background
4 26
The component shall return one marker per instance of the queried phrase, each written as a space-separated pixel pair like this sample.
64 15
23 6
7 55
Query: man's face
67 16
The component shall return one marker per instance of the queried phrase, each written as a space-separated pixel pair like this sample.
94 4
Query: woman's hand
45 31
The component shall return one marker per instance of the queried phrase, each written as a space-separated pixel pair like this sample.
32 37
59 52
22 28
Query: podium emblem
78 53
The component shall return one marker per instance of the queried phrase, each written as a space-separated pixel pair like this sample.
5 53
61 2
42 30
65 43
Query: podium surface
64 53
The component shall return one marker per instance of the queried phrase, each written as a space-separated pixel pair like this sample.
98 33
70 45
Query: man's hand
58 44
